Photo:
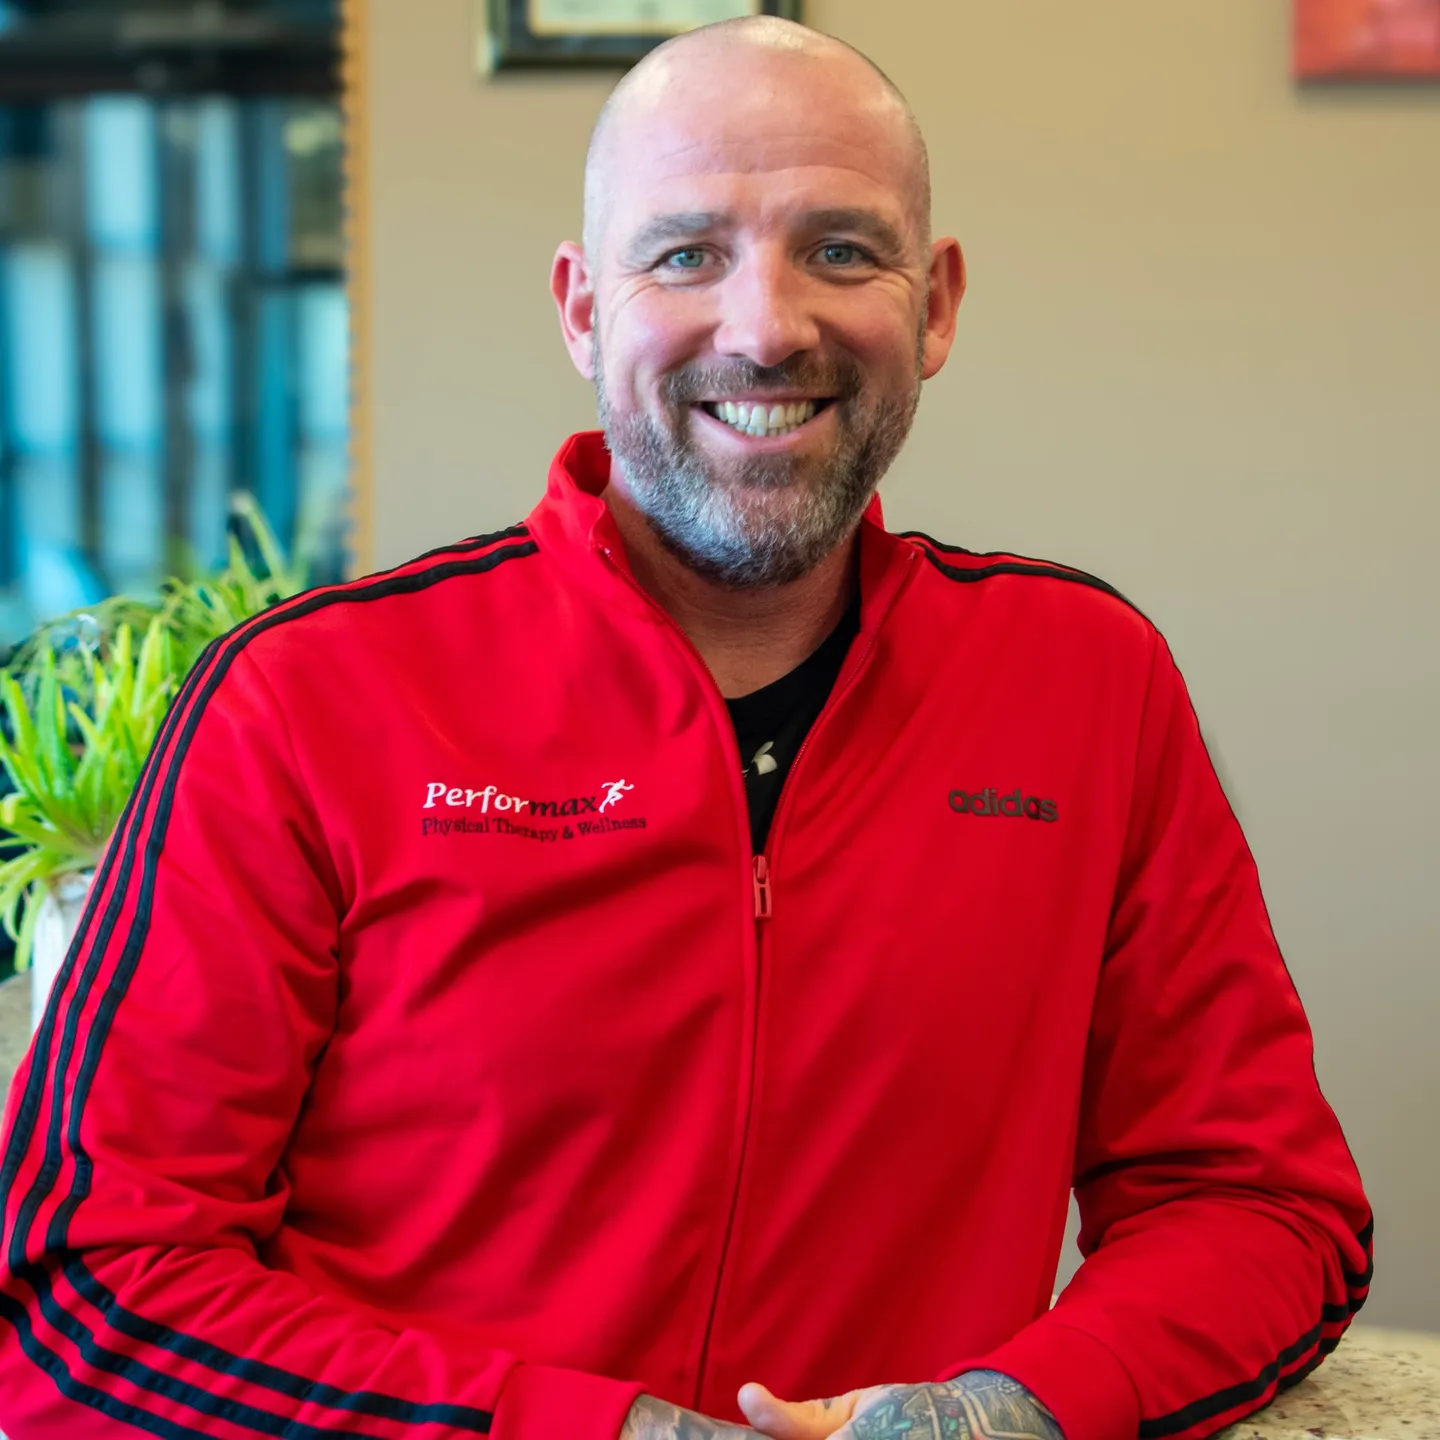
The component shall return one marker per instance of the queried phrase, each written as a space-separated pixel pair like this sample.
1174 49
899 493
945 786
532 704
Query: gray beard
771 519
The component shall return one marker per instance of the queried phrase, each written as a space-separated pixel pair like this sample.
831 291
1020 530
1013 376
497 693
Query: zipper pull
762 888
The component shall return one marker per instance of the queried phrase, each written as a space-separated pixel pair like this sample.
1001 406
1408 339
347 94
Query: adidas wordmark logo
1017 805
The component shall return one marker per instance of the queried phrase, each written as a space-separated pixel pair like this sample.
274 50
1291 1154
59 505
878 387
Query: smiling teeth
764 420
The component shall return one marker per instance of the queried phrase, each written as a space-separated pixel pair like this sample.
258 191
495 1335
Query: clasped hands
974 1406
861 1413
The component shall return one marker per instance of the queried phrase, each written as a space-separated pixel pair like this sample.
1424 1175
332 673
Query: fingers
794 1419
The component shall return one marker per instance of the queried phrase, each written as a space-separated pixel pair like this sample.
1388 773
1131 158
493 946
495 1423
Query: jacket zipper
764 909
762 889
762 886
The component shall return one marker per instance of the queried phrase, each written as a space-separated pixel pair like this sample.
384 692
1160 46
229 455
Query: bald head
715 75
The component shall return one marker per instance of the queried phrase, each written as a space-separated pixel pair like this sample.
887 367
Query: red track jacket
435 1060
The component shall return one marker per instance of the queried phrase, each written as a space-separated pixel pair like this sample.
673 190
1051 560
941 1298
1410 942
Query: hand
979 1405
652 1419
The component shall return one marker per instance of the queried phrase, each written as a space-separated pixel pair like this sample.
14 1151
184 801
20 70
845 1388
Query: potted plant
83 701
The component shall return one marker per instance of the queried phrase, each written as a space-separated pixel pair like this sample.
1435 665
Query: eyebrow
864 223
694 224
668 229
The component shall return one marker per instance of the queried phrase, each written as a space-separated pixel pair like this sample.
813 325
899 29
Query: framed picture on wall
1367 39
530 33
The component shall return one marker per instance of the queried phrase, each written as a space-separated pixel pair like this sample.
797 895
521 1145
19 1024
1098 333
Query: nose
765 312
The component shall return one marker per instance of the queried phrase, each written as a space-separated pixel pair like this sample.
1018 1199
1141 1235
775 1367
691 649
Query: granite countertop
1378 1385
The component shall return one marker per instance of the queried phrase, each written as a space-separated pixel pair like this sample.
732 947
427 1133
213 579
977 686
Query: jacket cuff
1073 1375
540 1402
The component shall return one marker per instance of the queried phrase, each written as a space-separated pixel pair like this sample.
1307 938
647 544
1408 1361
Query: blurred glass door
173 327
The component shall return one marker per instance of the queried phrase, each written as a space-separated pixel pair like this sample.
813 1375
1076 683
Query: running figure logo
614 790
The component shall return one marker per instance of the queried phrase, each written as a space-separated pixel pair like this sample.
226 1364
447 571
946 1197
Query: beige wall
1200 356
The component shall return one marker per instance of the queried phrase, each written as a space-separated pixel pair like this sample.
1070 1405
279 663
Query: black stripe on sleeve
265 1376
269 1377
1365 1238
1245 1393
45 1359
143 1377
28 1110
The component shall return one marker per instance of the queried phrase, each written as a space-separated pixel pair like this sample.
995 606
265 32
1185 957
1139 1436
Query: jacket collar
573 521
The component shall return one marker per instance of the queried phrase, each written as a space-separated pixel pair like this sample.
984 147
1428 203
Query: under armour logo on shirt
763 762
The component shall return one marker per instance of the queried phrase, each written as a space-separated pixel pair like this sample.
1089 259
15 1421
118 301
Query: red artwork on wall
1367 39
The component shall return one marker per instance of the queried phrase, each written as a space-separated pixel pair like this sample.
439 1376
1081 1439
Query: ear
947 289
574 290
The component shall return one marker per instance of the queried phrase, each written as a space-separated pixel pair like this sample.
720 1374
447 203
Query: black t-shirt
771 724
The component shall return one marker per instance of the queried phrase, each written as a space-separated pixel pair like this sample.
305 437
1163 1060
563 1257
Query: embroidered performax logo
438 794
489 810
1017 805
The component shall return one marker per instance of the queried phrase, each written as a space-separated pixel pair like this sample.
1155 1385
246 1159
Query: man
684 991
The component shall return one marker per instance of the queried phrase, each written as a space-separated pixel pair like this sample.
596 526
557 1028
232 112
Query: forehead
784 137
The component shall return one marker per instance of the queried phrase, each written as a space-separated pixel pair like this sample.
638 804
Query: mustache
839 378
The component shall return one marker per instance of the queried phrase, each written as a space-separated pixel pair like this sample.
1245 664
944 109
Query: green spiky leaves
84 703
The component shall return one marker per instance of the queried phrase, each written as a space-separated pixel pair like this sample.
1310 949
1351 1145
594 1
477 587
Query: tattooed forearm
652 1419
980 1405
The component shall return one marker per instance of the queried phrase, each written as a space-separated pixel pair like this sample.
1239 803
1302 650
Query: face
762 309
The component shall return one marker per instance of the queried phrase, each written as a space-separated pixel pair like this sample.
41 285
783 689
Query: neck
747 638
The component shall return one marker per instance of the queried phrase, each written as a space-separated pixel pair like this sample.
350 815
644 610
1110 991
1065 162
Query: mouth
763 419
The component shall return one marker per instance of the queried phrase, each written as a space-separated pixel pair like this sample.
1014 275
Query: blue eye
841 254
685 259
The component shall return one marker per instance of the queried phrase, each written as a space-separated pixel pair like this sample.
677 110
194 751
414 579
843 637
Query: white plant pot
60 910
